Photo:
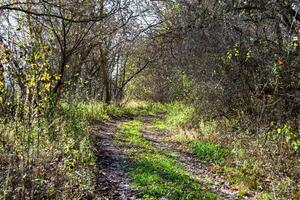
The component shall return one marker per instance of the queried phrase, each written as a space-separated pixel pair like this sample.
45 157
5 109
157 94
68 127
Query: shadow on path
112 159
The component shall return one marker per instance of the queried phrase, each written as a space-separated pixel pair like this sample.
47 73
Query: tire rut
112 159
195 168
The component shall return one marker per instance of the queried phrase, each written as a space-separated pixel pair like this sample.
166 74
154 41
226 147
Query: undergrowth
97 110
36 165
261 163
209 152
249 163
54 159
176 115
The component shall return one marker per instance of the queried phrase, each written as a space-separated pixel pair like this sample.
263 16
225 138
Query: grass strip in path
154 172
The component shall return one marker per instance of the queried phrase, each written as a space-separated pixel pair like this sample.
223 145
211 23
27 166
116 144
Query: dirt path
188 161
113 158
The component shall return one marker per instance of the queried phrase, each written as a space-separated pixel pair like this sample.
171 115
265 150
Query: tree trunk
104 74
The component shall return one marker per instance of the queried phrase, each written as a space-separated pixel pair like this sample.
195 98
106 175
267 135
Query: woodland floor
114 158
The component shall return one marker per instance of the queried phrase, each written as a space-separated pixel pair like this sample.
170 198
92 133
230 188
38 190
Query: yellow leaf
57 77
279 130
47 86
45 77
280 61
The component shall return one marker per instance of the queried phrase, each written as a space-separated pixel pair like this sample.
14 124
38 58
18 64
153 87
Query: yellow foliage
57 76
32 83
34 65
39 56
280 61
47 86
45 77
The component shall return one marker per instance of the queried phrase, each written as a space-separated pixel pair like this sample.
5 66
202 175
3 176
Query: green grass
145 107
176 115
209 152
155 173
149 172
97 110
159 125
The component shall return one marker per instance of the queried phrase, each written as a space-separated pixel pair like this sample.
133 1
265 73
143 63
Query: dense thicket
233 58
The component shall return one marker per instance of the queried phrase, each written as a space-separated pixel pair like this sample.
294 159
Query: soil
113 158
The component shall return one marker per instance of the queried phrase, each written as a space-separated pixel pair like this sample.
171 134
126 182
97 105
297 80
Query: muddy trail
113 159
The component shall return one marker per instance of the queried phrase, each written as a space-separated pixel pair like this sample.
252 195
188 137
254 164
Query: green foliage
94 110
182 88
79 162
288 136
154 172
176 114
62 168
145 107
209 152
98 110
177 7
239 168
130 132
159 124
